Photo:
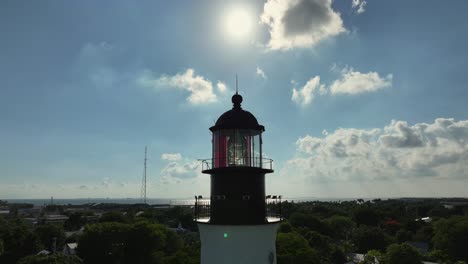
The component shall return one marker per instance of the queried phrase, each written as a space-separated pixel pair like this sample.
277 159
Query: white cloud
359 5
171 156
437 150
300 23
354 82
178 169
200 89
306 94
261 73
350 82
222 88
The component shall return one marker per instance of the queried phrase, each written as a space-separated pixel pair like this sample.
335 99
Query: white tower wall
238 244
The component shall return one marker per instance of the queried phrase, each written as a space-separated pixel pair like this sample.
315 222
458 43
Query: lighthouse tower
239 223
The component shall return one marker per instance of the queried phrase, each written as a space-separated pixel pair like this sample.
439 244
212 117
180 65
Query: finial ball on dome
237 100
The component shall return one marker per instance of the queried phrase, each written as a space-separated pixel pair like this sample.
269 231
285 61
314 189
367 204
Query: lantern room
237 139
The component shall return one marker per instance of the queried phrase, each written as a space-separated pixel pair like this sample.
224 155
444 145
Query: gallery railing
273 206
202 208
208 164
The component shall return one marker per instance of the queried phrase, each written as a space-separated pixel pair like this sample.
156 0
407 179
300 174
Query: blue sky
359 98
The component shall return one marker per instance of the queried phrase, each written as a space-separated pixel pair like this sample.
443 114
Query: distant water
79 201
150 201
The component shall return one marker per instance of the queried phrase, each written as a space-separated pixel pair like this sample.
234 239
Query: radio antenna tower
143 182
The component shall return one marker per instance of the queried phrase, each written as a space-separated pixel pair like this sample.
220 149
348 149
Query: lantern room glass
237 147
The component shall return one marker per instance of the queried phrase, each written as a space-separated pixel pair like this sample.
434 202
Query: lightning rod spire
237 90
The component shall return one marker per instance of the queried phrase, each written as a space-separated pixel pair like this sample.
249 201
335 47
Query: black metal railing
208 164
273 208
202 207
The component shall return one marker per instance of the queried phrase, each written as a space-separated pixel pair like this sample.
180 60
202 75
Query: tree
373 257
1 247
450 236
18 240
49 235
75 221
293 248
318 242
402 254
50 259
341 226
403 235
309 221
114 216
336 255
285 227
143 239
367 238
366 216
142 242
103 243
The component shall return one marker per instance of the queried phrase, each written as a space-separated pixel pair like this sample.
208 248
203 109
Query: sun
238 23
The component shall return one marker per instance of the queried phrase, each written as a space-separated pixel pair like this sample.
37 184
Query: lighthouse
239 222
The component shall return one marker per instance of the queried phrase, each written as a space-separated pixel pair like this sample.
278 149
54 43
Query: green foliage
437 256
309 221
142 242
373 257
285 227
114 216
18 240
1 247
75 221
48 233
341 226
367 238
402 254
320 242
50 259
317 232
336 255
403 235
366 216
451 236
293 248
425 233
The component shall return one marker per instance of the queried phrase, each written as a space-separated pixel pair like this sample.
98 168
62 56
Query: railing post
196 207
280 206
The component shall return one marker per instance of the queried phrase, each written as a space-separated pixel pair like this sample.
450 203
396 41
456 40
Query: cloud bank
398 151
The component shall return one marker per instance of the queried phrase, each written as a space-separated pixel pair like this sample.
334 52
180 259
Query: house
70 249
355 258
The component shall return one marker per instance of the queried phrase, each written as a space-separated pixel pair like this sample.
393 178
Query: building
237 224
70 249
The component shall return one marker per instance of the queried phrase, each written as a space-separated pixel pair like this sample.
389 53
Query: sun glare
238 23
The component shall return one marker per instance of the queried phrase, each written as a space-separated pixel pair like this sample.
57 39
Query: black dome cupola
237 118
